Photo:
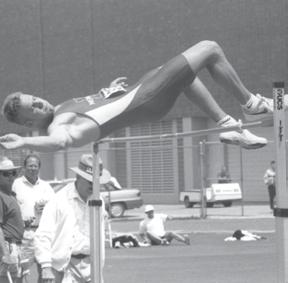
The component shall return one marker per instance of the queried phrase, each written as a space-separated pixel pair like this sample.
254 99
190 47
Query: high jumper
83 120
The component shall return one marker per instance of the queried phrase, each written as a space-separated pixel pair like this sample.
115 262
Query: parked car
224 193
117 201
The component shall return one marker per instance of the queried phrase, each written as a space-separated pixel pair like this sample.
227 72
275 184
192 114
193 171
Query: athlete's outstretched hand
11 141
119 81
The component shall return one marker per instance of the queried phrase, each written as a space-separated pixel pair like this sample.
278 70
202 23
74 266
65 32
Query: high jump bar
185 134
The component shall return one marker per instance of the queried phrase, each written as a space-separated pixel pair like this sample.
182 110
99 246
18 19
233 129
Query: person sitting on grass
152 229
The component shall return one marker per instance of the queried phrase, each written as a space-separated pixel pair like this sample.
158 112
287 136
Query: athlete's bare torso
78 130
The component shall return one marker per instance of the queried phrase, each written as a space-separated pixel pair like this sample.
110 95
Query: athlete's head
27 110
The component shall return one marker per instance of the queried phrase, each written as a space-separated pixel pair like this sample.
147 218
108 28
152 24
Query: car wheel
187 203
117 210
209 204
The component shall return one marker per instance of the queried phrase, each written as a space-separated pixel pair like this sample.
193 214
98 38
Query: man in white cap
62 240
152 229
11 224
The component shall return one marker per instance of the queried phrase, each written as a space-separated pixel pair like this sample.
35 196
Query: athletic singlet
101 110
146 101
96 107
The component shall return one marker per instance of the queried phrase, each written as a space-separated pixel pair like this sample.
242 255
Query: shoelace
238 124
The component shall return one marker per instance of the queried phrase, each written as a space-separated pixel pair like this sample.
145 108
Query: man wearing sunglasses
11 224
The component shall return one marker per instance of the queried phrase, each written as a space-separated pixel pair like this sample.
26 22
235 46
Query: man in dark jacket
11 224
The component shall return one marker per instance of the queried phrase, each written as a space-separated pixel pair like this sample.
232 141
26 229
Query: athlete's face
34 110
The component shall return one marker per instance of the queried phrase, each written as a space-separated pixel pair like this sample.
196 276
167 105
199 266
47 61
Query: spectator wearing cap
11 224
62 240
152 229
32 194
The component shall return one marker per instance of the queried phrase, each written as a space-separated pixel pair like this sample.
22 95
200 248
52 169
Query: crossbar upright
203 213
281 210
96 235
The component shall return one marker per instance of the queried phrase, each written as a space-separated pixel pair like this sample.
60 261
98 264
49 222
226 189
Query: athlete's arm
53 142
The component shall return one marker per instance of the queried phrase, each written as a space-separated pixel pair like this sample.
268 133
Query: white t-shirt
154 225
28 194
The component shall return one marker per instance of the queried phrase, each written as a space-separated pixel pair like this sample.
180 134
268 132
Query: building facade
68 48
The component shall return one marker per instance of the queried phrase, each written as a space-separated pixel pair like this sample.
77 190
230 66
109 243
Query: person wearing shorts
152 229
82 120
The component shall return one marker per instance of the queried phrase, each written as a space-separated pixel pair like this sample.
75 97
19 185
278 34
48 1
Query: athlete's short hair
11 106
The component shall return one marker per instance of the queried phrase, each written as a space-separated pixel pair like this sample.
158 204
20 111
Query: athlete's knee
203 53
212 48
207 46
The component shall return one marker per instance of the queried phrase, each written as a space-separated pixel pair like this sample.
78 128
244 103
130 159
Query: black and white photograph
143 141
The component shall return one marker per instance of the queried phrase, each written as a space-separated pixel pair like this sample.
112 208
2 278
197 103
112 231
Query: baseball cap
149 207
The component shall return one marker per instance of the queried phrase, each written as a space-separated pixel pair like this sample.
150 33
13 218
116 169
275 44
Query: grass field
209 259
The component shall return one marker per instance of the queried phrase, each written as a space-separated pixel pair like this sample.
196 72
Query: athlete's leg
209 55
172 78
198 93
